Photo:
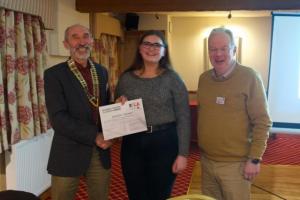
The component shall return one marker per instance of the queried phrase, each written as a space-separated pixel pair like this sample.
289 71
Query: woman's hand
122 99
179 164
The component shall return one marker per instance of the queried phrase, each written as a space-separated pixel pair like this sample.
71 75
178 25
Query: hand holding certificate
118 120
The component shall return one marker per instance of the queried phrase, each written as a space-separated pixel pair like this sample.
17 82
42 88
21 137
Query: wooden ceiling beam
183 5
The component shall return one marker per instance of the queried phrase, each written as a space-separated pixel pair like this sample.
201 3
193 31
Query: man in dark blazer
74 90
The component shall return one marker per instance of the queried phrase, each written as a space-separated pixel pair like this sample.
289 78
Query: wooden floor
282 180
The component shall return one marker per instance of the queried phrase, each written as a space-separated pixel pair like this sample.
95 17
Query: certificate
118 120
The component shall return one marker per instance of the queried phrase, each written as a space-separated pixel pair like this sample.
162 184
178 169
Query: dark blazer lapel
103 81
100 77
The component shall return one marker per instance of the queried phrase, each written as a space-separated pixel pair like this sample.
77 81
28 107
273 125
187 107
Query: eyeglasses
155 46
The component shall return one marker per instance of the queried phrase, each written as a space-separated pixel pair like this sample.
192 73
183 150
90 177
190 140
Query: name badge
220 100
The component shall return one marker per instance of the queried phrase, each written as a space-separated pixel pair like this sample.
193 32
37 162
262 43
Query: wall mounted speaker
131 21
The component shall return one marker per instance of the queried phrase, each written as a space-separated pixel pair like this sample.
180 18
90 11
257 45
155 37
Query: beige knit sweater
233 118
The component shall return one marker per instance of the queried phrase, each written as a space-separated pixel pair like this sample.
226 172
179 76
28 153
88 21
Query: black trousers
147 160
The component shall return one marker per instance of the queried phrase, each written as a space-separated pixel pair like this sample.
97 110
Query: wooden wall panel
183 5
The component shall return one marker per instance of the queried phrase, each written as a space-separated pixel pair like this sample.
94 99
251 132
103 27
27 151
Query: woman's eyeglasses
155 46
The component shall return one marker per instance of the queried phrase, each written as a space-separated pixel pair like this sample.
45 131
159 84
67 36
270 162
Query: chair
192 197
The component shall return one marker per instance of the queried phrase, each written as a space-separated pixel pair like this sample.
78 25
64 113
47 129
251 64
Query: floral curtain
106 52
22 61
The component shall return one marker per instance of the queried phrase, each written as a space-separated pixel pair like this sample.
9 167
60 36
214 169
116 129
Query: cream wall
108 25
188 34
185 37
66 16
151 21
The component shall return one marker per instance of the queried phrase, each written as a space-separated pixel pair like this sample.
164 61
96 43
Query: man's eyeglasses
155 46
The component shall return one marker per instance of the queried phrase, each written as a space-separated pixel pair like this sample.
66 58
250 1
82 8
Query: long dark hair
164 62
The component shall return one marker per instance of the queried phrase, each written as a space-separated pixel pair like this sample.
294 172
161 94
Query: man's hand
100 142
179 164
251 170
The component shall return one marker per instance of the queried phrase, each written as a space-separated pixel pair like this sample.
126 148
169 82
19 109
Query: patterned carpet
282 149
117 188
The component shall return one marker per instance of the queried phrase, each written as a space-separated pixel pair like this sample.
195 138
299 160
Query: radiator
26 165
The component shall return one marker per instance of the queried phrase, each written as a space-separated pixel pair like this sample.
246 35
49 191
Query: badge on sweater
220 100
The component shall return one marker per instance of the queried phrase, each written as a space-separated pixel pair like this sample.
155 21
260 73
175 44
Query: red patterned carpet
284 150
117 188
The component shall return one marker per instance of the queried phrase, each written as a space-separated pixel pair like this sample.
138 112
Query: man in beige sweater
233 121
